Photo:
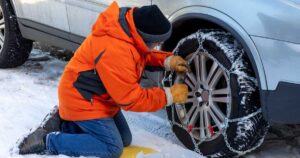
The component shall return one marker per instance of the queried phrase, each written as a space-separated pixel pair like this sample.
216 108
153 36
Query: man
103 77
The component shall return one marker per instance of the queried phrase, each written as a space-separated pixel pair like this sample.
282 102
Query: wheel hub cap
205 96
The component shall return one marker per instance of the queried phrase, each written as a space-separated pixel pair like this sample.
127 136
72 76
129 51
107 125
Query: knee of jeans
127 140
116 152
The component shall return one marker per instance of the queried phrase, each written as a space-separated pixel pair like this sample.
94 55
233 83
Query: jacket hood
118 23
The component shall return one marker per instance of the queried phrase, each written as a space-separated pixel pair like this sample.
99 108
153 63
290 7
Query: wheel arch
197 17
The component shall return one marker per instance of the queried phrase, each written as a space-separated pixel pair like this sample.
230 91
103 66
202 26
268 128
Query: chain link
241 119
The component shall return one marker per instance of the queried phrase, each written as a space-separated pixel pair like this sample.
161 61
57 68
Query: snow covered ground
29 92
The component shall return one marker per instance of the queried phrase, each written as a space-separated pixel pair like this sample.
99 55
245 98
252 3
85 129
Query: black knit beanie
151 24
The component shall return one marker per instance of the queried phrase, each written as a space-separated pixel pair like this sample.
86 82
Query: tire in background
15 49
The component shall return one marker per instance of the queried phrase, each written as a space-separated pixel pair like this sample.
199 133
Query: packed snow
29 92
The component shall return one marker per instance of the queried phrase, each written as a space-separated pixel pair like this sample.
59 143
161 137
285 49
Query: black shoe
34 143
52 121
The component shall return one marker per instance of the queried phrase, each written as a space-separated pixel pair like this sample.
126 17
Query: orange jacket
104 74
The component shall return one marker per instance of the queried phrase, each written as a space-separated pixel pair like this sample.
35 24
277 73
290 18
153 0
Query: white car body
266 29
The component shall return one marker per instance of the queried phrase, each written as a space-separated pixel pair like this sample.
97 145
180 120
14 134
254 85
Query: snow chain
168 78
241 119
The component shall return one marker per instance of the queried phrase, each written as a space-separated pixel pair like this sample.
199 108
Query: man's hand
176 63
179 93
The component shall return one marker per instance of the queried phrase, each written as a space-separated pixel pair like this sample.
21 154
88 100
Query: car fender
230 25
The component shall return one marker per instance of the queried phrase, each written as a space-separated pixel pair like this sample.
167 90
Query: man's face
151 46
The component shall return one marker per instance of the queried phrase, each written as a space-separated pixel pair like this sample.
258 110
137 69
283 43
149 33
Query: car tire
14 49
229 86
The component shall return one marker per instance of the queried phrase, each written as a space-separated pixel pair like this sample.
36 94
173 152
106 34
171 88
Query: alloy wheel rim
2 29
209 98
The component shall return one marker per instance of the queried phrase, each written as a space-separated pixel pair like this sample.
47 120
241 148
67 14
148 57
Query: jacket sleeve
157 58
117 71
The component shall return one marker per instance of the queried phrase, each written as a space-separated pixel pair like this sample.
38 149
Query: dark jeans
103 138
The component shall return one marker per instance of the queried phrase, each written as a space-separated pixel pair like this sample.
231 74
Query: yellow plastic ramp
132 151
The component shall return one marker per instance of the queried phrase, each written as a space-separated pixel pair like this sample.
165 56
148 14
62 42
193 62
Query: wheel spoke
189 83
216 78
203 68
212 71
220 99
195 116
217 122
223 91
1 41
217 111
202 122
2 26
1 37
190 113
190 94
197 68
2 20
191 76
207 123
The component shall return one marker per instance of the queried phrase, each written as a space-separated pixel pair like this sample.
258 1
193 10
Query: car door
83 13
50 13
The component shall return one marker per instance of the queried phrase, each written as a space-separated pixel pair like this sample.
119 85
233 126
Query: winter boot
52 121
34 143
